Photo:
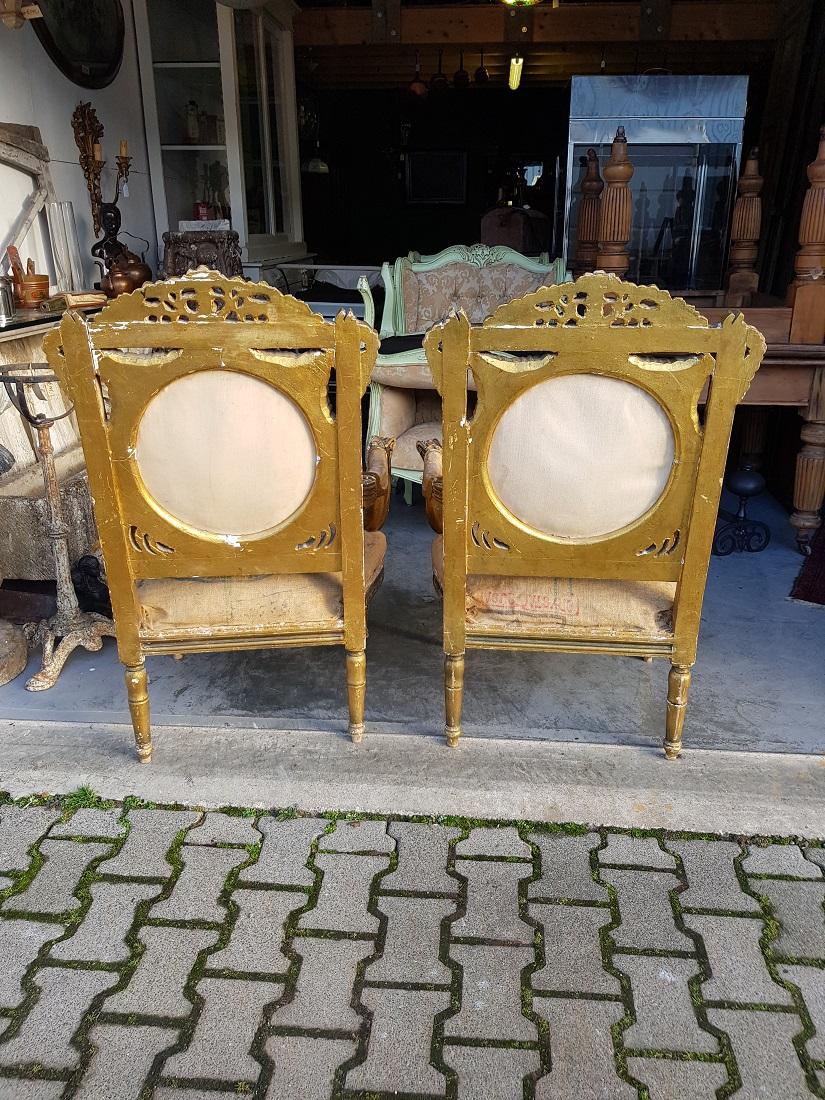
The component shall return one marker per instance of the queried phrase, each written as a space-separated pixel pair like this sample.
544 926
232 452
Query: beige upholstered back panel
226 453
430 295
580 456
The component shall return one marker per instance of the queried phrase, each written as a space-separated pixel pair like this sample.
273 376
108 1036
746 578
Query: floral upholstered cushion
430 295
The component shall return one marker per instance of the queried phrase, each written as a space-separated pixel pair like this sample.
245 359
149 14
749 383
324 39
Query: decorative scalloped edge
167 298
572 304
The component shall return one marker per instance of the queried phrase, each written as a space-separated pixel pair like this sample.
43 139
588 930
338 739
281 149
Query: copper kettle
127 273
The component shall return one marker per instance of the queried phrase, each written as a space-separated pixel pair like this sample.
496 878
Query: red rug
810 584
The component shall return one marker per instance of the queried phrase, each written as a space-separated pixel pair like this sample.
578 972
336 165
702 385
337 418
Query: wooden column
587 230
806 295
809 484
807 292
743 280
616 210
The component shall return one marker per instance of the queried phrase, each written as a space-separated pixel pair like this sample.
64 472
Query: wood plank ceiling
363 46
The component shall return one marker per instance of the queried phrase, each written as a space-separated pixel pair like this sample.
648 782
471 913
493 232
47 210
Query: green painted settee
421 291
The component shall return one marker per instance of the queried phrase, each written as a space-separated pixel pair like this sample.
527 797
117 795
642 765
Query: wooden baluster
807 292
806 296
587 231
743 279
616 210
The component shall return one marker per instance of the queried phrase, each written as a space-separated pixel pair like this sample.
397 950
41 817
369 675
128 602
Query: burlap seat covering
229 605
523 604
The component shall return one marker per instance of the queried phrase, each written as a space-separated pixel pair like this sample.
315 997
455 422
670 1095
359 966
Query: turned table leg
809 485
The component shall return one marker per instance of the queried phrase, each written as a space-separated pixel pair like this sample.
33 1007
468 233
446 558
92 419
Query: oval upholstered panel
580 456
226 453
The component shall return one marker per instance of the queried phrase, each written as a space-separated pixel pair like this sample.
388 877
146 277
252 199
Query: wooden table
791 375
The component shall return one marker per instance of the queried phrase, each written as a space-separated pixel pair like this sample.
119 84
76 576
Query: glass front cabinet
684 137
221 123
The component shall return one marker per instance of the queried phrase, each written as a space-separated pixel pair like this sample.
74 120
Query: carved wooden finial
810 259
615 209
743 279
587 233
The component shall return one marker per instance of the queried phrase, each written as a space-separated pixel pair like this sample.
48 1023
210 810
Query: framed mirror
84 38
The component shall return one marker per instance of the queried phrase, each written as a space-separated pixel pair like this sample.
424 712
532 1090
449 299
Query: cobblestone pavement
182 954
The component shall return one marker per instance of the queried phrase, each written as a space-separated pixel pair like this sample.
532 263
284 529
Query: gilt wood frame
206 321
592 326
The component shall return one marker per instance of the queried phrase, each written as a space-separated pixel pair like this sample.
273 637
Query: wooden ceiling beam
487 24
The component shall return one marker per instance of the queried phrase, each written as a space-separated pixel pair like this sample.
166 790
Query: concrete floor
759 683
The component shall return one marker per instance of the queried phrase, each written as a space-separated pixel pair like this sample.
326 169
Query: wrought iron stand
70 627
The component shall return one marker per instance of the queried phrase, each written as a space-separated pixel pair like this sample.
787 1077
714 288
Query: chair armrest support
365 291
376 483
432 483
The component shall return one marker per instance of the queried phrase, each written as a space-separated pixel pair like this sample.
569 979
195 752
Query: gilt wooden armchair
578 501
228 496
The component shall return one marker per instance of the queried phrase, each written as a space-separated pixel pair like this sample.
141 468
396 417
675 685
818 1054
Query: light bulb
516 65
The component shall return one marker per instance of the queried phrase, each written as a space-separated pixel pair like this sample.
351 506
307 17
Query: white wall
35 93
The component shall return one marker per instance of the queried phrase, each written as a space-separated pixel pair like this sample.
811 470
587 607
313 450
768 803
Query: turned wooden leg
678 684
137 688
809 485
453 696
754 436
356 692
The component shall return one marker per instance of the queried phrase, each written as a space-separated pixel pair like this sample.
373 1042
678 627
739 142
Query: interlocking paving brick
14 1088
711 876
491 1073
635 851
412 941
572 949
422 858
779 859
491 993
255 942
763 1049
122 1059
398 1055
357 836
221 1043
52 888
665 1019
87 822
816 855
195 894
218 828
811 983
101 936
581 1049
671 1079
565 868
156 986
646 914
20 941
323 993
736 961
44 1035
285 851
20 827
492 901
798 908
304 1069
342 901
151 834
494 842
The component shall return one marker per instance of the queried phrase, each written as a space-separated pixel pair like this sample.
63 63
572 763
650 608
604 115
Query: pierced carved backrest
211 447
587 454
